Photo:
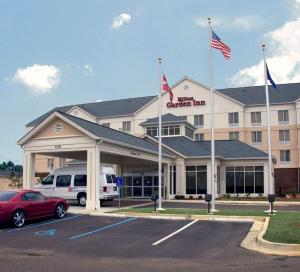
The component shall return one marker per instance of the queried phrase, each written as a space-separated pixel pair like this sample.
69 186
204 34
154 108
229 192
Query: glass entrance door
139 186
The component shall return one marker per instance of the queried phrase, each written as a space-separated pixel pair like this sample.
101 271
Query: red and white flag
166 88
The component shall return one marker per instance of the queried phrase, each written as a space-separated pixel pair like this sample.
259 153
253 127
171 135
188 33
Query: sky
64 52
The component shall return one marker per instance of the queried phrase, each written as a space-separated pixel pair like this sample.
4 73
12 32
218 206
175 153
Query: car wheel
18 219
60 210
82 200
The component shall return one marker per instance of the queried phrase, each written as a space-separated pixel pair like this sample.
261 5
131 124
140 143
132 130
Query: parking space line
101 229
174 233
47 223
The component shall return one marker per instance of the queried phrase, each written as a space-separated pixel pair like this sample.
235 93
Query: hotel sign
185 102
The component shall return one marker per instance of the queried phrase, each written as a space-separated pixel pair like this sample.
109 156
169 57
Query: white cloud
38 78
239 23
99 100
88 70
120 20
284 60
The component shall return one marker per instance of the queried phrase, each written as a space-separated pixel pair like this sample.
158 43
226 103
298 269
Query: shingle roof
112 134
227 149
166 118
255 95
7 173
103 109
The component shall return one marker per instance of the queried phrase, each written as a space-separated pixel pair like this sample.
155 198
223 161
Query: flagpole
213 174
271 173
159 136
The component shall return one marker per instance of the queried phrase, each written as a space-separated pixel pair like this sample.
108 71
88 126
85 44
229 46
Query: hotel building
240 133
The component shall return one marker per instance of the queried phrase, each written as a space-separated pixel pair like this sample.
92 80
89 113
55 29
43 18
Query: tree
16 181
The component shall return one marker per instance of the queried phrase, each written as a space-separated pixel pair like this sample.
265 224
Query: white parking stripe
47 223
175 232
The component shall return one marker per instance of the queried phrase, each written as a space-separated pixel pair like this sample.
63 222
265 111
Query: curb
276 248
254 241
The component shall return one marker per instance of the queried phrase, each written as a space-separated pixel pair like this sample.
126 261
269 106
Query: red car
18 207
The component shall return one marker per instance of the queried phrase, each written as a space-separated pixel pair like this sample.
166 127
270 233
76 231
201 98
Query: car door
39 205
61 188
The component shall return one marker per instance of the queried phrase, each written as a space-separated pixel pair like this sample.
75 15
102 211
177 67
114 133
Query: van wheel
81 200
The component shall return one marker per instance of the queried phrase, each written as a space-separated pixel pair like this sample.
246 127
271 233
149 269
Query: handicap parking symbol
50 232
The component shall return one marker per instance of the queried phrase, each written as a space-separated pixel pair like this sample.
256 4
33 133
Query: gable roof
255 95
101 132
225 149
102 109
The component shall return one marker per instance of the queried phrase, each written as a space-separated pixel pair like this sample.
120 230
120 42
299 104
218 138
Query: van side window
80 180
48 180
63 181
108 178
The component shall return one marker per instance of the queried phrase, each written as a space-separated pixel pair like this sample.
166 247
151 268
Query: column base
92 205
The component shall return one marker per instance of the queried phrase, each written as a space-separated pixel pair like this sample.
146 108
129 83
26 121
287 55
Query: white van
70 183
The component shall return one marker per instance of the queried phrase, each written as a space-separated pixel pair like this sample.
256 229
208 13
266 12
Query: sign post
119 185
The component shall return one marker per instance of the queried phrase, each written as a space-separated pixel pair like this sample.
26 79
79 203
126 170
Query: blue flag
269 78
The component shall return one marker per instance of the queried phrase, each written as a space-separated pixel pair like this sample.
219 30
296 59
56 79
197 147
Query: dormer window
165 131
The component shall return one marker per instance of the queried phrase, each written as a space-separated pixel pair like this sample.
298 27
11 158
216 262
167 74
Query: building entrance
140 185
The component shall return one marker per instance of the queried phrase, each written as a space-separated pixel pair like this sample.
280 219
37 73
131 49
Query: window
80 180
189 133
285 155
48 180
234 135
109 178
50 163
283 116
173 179
284 135
199 136
32 196
170 130
244 179
6 196
126 126
198 120
184 117
233 118
106 125
256 118
152 131
196 179
63 181
256 137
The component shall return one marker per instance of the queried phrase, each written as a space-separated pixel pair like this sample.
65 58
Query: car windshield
6 196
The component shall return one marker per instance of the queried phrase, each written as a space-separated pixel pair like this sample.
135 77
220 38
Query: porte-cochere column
93 178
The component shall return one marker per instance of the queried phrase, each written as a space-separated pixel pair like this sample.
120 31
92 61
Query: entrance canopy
65 136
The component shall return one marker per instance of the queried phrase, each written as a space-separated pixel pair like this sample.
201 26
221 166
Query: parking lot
101 243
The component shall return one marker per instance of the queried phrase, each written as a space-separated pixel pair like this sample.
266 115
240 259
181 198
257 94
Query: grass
283 228
187 212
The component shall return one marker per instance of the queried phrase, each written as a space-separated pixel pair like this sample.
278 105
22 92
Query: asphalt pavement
95 243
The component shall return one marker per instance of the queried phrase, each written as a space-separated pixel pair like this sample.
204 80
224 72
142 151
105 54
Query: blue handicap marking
50 232
119 182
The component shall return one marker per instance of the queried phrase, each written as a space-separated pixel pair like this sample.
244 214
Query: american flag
218 44
166 88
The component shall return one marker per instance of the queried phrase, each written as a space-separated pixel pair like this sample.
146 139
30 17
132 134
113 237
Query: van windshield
48 180
114 179
110 178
